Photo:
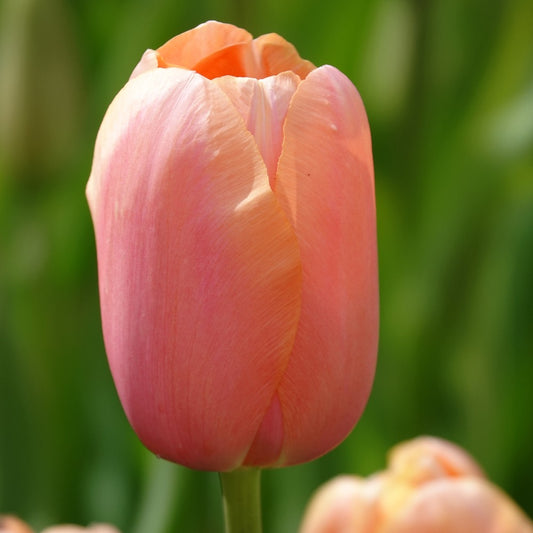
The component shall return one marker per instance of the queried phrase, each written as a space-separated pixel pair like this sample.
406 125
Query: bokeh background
449 92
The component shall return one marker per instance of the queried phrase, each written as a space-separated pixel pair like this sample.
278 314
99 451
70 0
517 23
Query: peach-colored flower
232 196
12 524
431 486
70 528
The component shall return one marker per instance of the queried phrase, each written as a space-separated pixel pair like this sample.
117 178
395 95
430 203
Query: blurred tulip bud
232 194
430 486
12 524
94 528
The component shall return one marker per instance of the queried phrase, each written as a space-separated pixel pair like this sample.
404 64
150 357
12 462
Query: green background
448 87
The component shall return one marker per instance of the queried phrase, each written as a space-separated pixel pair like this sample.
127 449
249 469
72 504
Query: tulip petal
236 60
463 505
424 458
266 447
188 48
325 185
278 55
344 504
12 524
263 106
266 56
149 61
199 268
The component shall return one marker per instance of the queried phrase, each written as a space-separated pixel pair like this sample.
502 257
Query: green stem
241 495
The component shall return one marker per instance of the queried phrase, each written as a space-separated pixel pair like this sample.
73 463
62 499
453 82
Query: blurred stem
241 495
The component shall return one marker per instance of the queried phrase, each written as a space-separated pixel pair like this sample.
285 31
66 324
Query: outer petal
190 47
325 183
346 504
149 61
263 106
199 269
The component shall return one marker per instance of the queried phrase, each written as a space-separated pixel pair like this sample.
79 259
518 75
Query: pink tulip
232 196
431 486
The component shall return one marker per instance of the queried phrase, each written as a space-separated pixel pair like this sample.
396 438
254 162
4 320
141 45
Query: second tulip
232 196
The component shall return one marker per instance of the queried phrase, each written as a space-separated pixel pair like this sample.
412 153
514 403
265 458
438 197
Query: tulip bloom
431 486
232 197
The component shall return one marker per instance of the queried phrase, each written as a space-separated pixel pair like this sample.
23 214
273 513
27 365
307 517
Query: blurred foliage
449 92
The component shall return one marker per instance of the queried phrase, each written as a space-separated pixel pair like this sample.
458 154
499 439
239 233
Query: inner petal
235 60
187 49
263 106
278 55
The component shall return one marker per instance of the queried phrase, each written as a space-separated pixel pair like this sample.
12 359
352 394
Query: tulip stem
241 495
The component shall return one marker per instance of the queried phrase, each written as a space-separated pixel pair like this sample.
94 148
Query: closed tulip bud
232 197
430 486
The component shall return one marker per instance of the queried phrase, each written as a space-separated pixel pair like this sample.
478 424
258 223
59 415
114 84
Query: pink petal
344 504
200 277
149 61
268 440
325 184
12 524
263 106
